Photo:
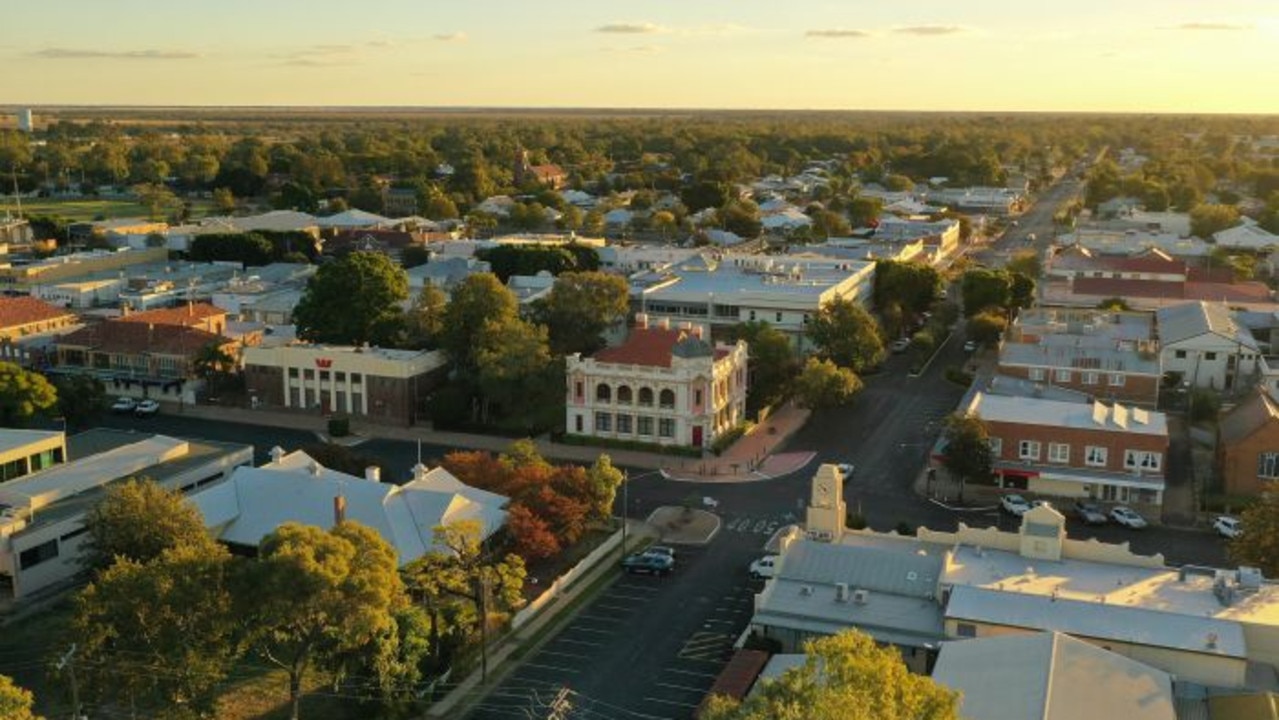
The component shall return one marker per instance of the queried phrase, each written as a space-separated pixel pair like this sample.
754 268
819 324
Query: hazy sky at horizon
1094 55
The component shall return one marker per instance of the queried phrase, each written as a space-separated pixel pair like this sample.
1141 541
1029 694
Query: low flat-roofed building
42 514
1051 675
22 278
376 383
23 452
295 488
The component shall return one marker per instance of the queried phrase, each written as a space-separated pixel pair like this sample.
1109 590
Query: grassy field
87 209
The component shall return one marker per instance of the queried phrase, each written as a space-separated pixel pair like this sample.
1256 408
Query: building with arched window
665 385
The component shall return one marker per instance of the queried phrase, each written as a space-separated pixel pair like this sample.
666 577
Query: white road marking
689 672
670 702
568 655
682 687
577 642
553 668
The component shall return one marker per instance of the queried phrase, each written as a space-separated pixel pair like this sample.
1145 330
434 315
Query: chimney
339 509
314 469
125 310
641 321
373 473
419 472
190 308
277 453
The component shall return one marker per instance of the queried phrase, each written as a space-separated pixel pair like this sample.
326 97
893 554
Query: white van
765 567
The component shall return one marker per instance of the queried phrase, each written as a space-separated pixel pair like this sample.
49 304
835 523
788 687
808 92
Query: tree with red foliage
532 536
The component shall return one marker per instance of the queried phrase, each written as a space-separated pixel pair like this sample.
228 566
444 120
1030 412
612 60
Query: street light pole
626 505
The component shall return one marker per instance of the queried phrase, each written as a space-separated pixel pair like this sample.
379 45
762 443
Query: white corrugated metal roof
1057 413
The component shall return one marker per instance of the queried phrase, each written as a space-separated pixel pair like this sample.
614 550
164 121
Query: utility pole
626 505
68 661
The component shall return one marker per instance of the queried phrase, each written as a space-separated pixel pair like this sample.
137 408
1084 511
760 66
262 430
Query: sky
1190 56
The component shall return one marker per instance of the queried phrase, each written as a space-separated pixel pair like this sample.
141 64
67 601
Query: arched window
603 393
666 399
646 397
624 395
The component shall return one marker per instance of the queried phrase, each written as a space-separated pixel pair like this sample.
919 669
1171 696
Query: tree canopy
823 384
478 299
913 285
139 520
23 395
847 335
1258 546
15 702
580 307
771 362
354 300
968 454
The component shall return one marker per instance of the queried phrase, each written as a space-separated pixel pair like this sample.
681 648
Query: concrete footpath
751 458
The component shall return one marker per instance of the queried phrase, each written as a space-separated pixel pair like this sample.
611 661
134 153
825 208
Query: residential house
1106 355
1135 243
293 487
1248 446
24 316
391 243
353 219
445 272
1202 345
1247 235
665 385
548 175
1051 675
1074 450
1148 281
42 530
375 383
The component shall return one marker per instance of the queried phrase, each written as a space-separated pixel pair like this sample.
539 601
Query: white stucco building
1203 346
666 385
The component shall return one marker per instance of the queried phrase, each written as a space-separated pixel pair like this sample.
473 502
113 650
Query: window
646 397
697 397
779 317
996 447
603 422
293 372
666 399
624 423
624 395
1063 376
339 377
1268 465
1090 378
666 428
1036 374
1028 449
577 389
1058 452
1095 456
1142 460
577 423
324 376
1210 356
74 533
308 374
752 314
1180 354
603 393
31 557
966 630
355 378
645 424
1116 380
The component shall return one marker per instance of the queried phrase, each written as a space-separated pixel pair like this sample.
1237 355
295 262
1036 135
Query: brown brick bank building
382 385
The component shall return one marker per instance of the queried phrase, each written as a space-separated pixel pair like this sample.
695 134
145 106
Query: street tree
844 677
986 328
353 301
847 335
157 198
983 288
1258 546
16 702
139 520
81 398
771 362
1205 220
604 480
23 395
665 223
424 321
1021 290
223 200
213 364
319 595
174 612
513 360
864 211
823 384
477 299
580 307
1025 262
913 285
967 454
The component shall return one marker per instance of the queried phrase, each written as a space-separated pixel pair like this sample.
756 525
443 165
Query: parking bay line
670 702
554 668
571 628
700 691
576 642
616 608
575 656
690 672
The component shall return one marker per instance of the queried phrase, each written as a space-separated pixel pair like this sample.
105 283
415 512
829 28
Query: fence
564 581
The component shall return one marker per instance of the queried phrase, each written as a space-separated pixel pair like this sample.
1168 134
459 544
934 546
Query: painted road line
613 619
685 688
712 676
575 656
616 608
577 642
553 668
571 628
671 702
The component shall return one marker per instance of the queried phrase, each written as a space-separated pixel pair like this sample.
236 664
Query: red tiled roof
130 338
1118 287
1216 275
546 172
644 346
196 314
18 311
1229 292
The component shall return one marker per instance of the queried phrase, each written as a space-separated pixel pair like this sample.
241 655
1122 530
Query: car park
146 408
765 567
1227 526
651 563
1014 504
1128 517
124 405
1090 513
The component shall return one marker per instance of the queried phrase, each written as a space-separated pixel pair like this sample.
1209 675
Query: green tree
424 321
440 207
1205 220
1025 262
16 702
982 288
157 198
1021 291
513 359
664 222
353 301
414 255
604 480
772 362
173 613
319 595
844 677
986 328
580 307
823 384
1113 303
81 399
1258 546
862 211
223 201
967 452
23 394
897 183
139 520
477 299
913 285
846 334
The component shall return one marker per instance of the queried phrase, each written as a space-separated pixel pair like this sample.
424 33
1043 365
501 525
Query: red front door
697 436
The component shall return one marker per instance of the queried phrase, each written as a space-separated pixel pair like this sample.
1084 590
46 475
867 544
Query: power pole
68 661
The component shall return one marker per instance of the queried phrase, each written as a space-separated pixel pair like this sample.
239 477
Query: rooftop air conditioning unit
805 590
841 592
861 596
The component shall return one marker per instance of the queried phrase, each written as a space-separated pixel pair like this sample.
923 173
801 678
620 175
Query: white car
1128 517
147 408
900 345
124 405
970 346
765 567
1014 504
1227 526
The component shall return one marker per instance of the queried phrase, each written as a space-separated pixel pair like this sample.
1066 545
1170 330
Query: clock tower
826 509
